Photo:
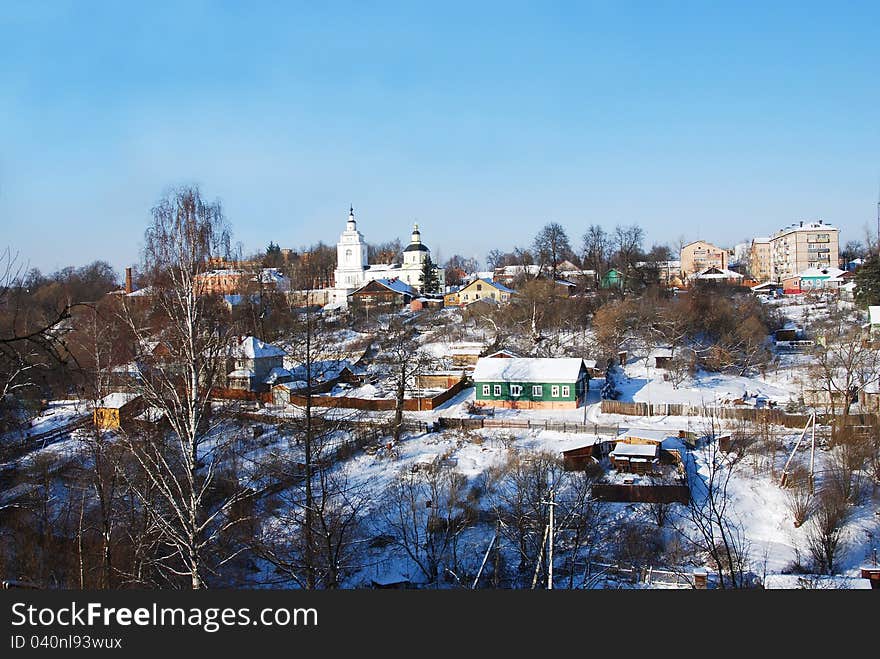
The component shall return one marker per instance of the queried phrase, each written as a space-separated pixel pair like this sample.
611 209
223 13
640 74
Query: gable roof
528 369
116 400
494 284
252 348
498 353
821 273
391 284
716 273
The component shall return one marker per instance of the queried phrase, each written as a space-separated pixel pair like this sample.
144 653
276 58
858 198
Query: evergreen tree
273 258
430 280
868 282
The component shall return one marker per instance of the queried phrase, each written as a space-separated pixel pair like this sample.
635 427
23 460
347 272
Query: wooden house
113 410
612 279
531 383
479 289
257 366
381 296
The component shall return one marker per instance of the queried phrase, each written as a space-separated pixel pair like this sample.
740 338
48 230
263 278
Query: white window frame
566 391
554 391
537 391
496 390
516 390
486 390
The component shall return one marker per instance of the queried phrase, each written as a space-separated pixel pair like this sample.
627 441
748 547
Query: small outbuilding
114 409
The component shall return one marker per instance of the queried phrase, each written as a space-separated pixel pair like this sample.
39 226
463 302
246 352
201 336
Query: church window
348 255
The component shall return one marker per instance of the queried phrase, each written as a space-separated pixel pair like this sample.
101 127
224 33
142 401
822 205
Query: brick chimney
129 287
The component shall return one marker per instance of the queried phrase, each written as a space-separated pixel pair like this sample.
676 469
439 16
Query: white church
352 270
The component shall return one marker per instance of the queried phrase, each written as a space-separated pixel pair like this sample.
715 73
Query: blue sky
694 119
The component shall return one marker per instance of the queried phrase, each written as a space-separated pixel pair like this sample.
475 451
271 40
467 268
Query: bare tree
551 247
426 514
182 466
713 530
825 535
596 248
844 363
402 359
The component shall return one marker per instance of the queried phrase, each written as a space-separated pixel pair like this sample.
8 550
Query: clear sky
482 121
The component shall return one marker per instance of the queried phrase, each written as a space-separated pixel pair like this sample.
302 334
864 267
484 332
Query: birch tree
182 465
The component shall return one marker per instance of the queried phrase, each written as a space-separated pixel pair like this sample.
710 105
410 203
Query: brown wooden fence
642 493
381 404
462 423
773 416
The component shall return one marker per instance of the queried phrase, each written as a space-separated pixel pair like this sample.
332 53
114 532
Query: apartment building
801 246
759 259
699 255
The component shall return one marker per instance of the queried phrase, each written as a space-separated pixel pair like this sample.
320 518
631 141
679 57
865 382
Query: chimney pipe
802 223
129 288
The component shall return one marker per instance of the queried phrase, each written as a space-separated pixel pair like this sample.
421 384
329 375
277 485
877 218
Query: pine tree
867 280
273 258
430 280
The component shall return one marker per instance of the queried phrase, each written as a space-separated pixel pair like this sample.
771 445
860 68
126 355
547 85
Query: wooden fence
425 404
476 423
642 493
773 416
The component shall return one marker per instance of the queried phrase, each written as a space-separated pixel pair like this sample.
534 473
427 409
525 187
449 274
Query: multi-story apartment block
699 255
798 247
759 259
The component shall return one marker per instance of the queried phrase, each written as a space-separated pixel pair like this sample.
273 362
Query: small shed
635 458
114 409
466 353
582 458
644 436
661 357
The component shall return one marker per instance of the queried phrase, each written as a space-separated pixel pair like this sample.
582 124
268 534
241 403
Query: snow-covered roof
466 348
241 373
624 450
252 348
116 400
766 285
293 385
874 315
821 273
805 226
716 273
493 284
141 292
528 369
503 352
647 434
151 415
398 286
276 374
661 352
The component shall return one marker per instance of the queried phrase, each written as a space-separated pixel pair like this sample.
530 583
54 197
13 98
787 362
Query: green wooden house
531 383
612 279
